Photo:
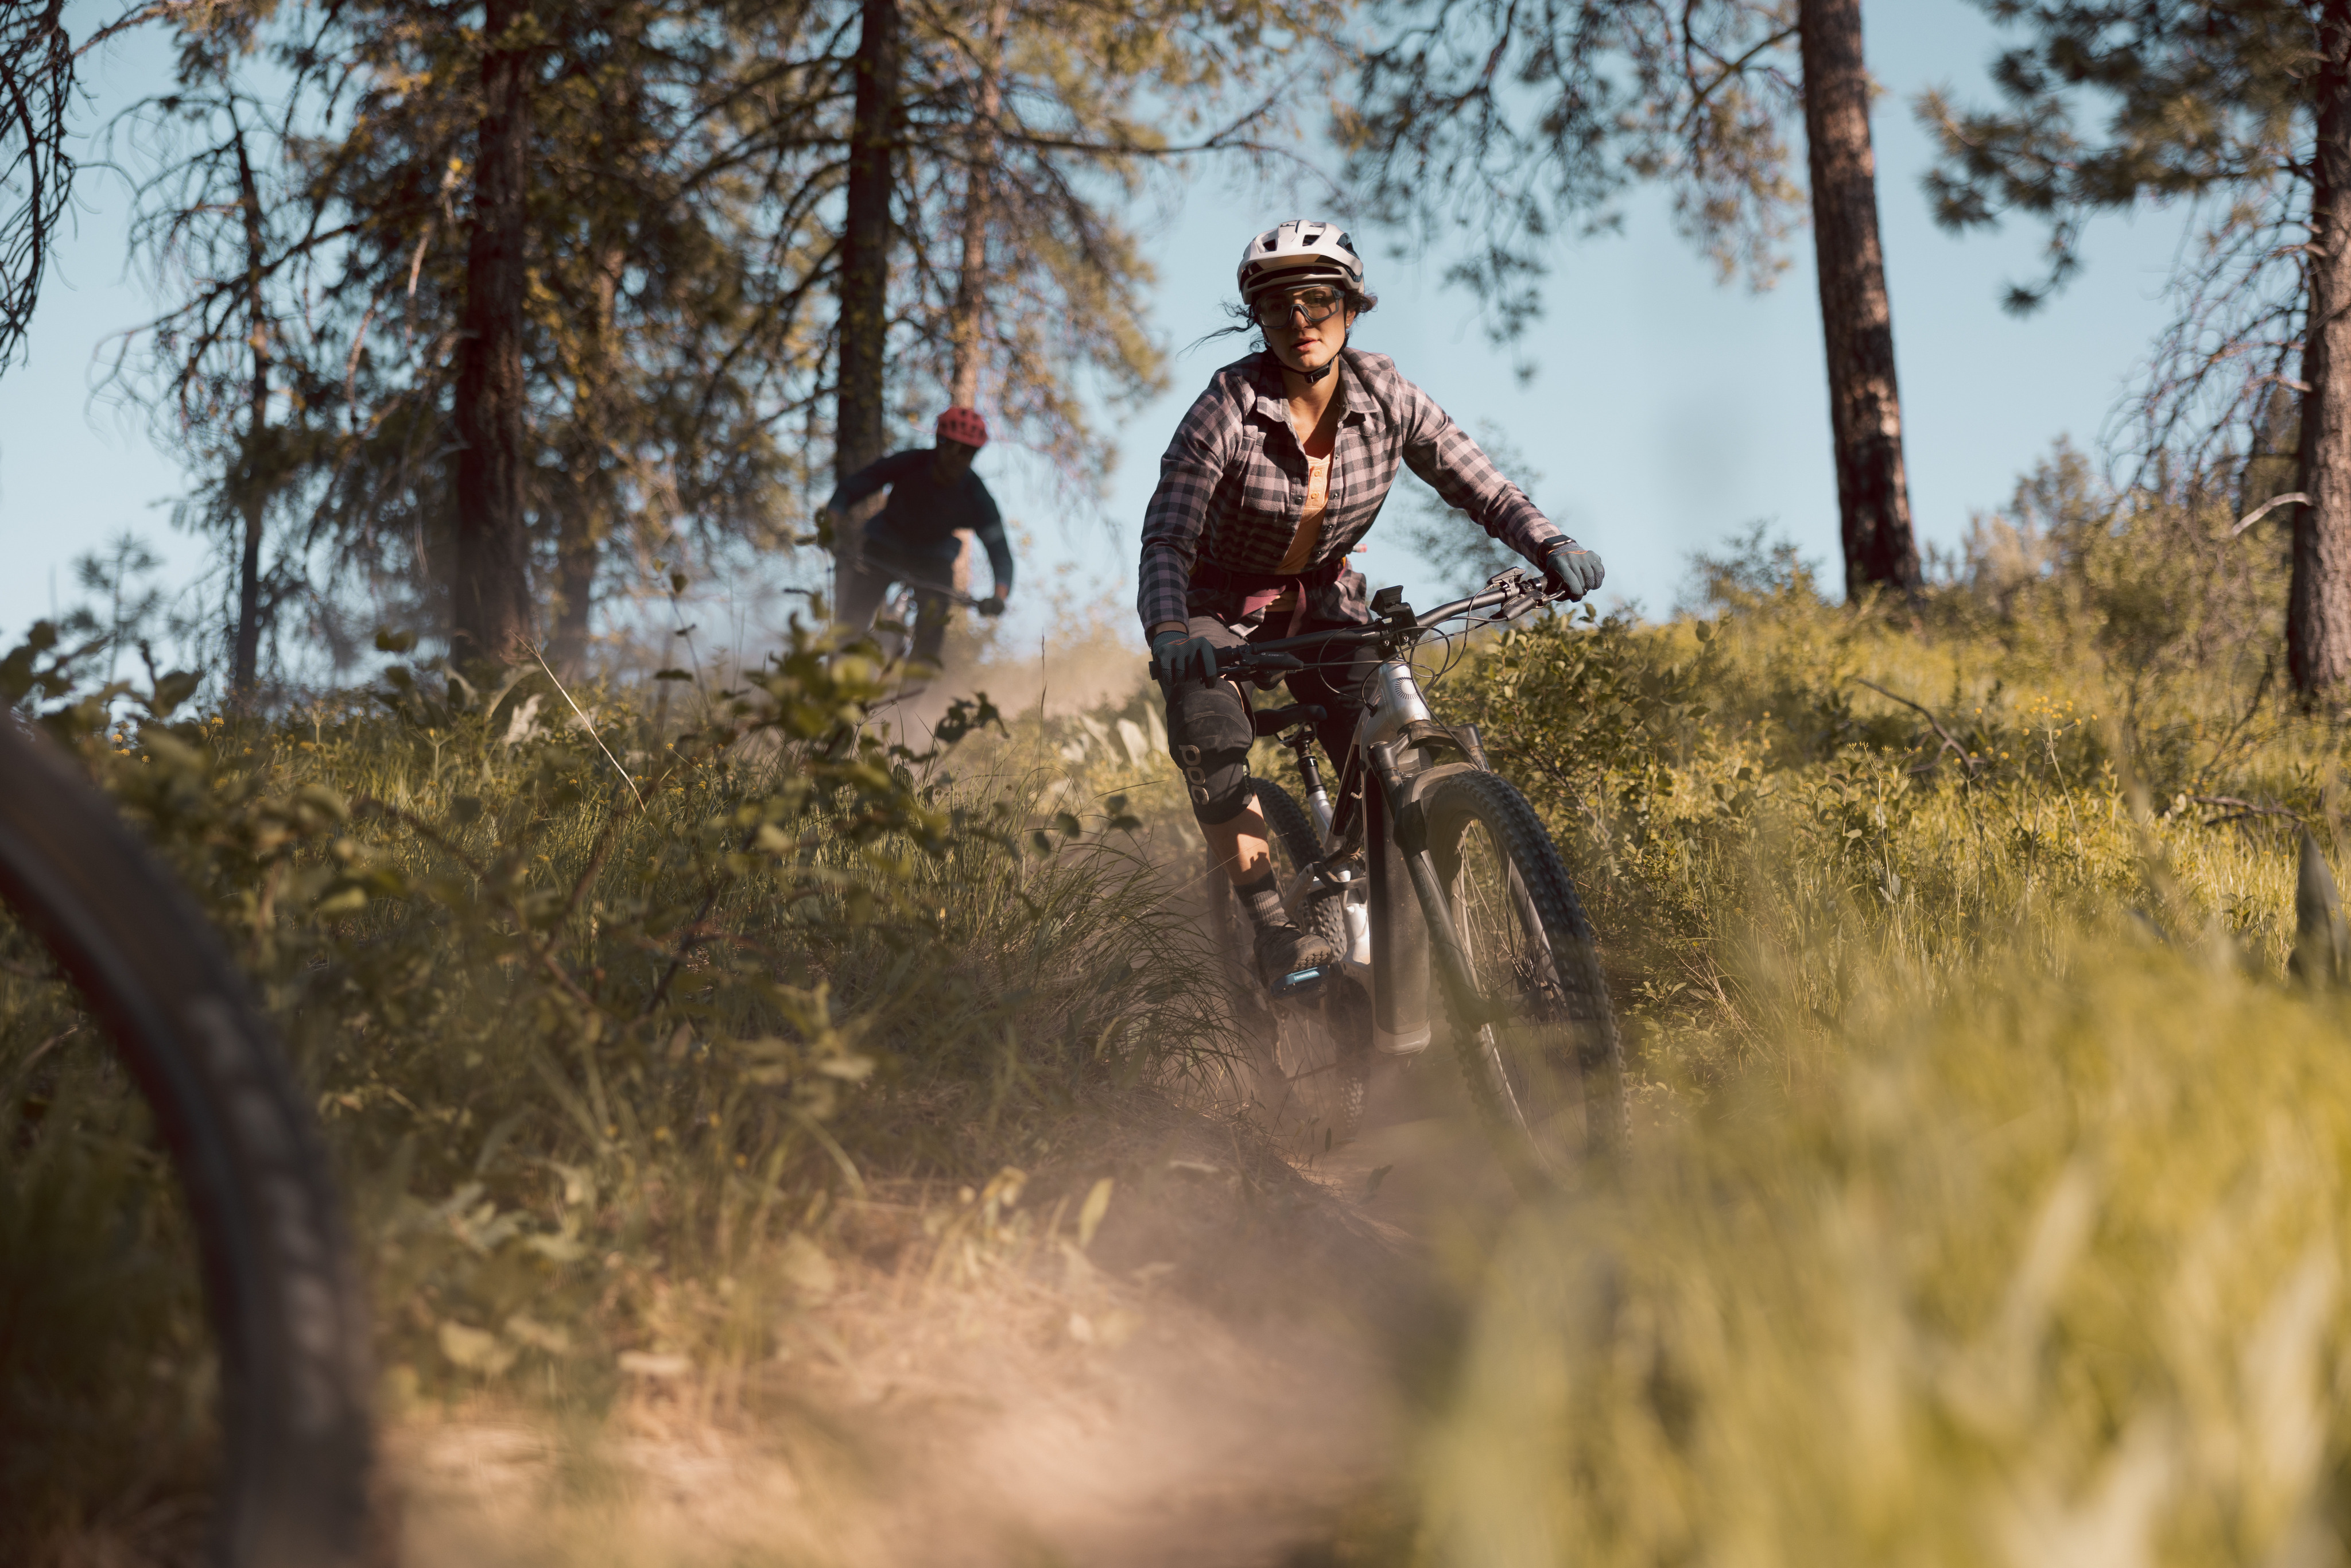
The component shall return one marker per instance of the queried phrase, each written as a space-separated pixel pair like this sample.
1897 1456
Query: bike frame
1396 756
902 605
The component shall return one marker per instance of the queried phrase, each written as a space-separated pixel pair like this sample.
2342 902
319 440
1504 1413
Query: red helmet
963 424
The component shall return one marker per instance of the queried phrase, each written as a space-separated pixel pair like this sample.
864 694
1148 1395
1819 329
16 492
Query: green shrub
1990 1206
598 1018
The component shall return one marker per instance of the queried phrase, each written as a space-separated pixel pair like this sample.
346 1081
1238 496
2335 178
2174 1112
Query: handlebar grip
1235 662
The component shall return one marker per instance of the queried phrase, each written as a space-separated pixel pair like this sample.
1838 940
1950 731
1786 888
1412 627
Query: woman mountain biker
1275 474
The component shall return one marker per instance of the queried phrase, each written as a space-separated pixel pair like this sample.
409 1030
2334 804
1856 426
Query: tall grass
1991 1203
2047 1272
1988 1199
603 1020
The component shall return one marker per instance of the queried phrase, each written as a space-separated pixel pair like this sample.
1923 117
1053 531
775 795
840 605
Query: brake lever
1525 589
1512 609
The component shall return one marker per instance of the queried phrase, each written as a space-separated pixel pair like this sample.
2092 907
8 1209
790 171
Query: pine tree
489 583
209 219
486 373
2244 106
36 84
1856 318
683 316
1506 125
859 424
1021 126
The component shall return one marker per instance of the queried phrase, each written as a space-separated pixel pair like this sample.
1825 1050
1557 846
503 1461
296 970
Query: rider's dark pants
866 583
1208 725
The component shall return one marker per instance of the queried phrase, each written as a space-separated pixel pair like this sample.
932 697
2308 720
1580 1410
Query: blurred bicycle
282 1296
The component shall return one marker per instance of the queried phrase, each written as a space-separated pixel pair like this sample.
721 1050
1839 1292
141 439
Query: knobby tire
285 1301
1543 1061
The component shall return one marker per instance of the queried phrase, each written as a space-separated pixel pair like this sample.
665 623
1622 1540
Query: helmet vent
1301 249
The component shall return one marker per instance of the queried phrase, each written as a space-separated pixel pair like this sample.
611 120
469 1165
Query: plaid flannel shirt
1233 484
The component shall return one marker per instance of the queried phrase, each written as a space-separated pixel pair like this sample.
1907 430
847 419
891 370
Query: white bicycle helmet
1302 250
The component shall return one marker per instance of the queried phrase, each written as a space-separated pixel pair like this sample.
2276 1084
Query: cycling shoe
1292 963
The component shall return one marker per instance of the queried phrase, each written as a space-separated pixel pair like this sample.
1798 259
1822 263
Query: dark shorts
1209 730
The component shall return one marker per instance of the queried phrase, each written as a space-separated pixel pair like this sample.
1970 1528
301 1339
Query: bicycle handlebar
953 595
1518 591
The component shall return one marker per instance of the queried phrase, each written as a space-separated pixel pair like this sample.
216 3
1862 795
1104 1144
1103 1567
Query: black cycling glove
1572 570
1183 656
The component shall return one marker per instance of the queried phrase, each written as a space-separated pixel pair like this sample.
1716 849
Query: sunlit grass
2047 1269
1987 1200
603 1027
1991 1202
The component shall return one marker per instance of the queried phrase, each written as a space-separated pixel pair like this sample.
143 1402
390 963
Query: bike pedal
1299 982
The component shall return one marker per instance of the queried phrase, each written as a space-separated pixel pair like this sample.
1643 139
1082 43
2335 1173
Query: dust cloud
1217 1380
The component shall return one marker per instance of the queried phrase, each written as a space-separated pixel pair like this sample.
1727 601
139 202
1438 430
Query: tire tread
1496 802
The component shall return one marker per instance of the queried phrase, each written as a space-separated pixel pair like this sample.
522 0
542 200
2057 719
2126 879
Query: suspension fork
1406 838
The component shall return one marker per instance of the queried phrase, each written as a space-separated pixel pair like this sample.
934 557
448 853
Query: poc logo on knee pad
1196 777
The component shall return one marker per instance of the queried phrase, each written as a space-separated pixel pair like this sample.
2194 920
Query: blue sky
1667 412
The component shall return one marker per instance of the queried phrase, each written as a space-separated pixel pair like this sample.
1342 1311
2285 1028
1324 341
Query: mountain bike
893 626
1424 862
283 1298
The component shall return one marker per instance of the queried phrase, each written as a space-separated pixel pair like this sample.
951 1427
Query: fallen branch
1948 742
2238 810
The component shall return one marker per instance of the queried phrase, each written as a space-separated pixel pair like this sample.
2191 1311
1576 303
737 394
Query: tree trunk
865 260
2318 604
590 507
244 677
575 588
1865 408
971 281
490 583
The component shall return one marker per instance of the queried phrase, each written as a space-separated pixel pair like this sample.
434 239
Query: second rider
1274 475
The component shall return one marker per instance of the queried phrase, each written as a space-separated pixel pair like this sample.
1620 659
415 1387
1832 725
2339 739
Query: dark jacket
916 526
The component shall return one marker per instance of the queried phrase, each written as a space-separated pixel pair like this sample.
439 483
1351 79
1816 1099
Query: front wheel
284 1298
1535 1038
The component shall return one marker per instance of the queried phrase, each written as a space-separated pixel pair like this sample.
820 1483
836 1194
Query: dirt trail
1216 1381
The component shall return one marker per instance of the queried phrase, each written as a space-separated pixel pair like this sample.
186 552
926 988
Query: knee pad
1209 736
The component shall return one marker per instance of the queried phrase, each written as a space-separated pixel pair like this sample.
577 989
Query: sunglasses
1316 305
